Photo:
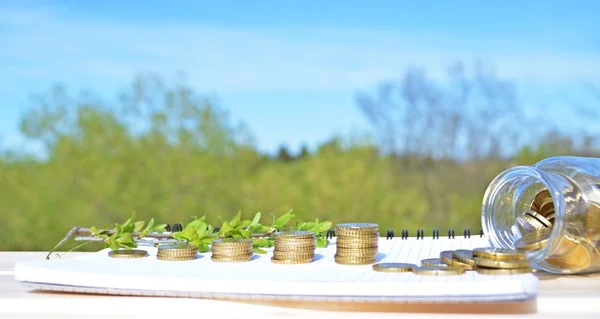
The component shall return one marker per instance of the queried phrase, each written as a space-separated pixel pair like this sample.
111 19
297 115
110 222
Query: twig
83 231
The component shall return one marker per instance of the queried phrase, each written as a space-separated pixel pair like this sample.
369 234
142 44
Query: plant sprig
124 235
200 233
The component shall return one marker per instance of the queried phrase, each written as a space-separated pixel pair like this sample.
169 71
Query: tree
430 127
284 155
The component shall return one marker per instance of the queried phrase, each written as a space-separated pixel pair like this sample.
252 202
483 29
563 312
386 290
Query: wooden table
559 297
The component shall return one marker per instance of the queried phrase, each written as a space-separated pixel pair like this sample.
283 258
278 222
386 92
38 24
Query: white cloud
44 45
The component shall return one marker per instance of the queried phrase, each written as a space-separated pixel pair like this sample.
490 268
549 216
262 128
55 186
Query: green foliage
124 235
198 233
190 158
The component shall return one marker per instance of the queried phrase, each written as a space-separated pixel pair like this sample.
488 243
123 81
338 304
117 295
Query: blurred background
394 112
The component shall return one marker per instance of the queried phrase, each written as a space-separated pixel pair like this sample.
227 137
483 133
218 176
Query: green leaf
258 250
159 228
114 245
236 219
244 224
283 220
138 226
125 238
322 242
246 233
203 248
94 231
208 240
150 224
255 220
188 232
322 227
225 228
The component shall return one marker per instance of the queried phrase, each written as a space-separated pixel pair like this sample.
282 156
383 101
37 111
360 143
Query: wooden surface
559 297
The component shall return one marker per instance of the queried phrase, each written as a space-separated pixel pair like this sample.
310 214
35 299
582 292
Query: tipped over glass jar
550 210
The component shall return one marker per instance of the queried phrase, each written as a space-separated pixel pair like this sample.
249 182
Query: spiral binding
404 234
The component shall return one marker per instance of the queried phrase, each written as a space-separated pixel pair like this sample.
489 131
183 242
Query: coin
244 255
505 264
433 262
464 256
354 261
232 242
499 271
128 253
438 271
296 234
533 240
541 218
291 262
296 248
498 253
547 209
176 255
293 255
446 257
573 253
175 258
542 198
393 267
592 225
357 227
229 260
179 247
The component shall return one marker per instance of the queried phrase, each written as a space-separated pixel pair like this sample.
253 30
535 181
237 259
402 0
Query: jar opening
510 204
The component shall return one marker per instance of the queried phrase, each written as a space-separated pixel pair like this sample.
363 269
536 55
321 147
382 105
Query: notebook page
322 278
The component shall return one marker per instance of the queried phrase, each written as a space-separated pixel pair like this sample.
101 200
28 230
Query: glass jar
550 210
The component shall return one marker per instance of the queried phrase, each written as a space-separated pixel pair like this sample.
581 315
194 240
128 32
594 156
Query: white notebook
322 279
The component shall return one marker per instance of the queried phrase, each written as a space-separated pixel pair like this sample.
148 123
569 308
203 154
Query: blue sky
290 69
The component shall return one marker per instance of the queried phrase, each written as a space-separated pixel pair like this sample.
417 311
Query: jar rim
509 176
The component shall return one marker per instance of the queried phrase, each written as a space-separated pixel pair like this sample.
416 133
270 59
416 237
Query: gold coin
179 247
354 261
433 262
505 264
533 240
542 198
229 260
295 234
573 253
592 225
464 256
232 242
292 248
393 267
357 226
498 253
539 217
232 252
242 256
291 261
547 209
446 257
128 253
362 250
500 271
295 241
438 271
529 223
290 255
175 258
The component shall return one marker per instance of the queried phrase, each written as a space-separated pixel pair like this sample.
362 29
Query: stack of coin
231 250
357 243
294 247
498 261
177 252
540 213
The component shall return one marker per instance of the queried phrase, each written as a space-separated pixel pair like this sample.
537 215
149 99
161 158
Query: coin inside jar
534 240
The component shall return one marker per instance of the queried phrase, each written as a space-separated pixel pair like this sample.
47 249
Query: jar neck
510 194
